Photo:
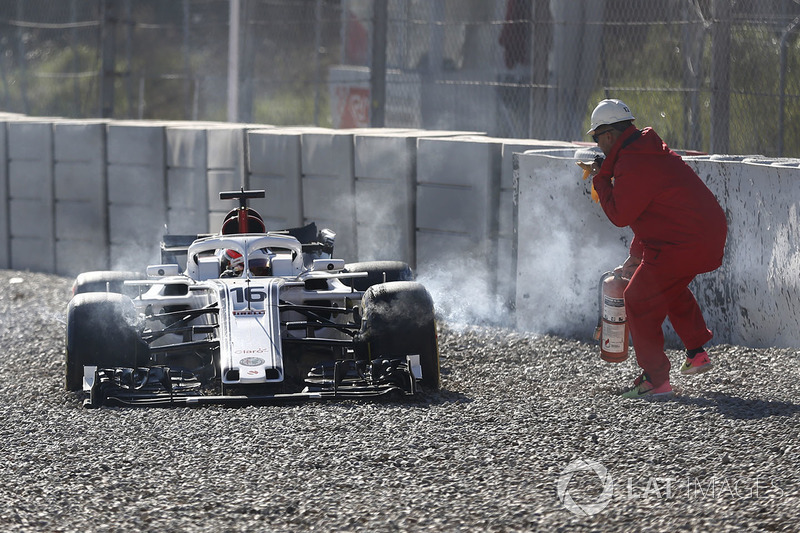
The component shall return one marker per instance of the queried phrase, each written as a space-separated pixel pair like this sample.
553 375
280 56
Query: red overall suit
679 232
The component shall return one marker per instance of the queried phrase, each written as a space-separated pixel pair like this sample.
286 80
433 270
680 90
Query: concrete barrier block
75 257
385 166
30 179
30 140
5 252
79 180
221 180
187 210
81 221
385 199
31 218
751 299
564 243
505 231
79 140
328 186
31 202
136 143
187 179
187 189
186 147
30 253
137 189
32 241
456 224
457 192
275 166
81 196
137 185
226 148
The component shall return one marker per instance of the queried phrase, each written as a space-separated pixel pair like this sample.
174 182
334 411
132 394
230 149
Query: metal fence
711 75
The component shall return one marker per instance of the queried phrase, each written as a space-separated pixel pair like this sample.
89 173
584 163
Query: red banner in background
352 107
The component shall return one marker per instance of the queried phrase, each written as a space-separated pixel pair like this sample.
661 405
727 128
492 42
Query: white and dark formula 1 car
250 316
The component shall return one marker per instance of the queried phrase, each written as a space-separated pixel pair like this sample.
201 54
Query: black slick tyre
377 272
102 331
398 320
104 281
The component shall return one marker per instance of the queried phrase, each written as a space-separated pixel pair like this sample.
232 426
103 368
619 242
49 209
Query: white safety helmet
608 112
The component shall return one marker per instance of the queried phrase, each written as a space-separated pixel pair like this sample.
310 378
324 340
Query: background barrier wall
5 255
275 166
328 183
227 167
187 180
458 188
385 167
137 190
755 293
565 243
80 196
31 204
483 223
386 192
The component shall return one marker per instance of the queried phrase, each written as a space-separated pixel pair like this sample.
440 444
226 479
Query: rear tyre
377 272
398 320
105 281
101 330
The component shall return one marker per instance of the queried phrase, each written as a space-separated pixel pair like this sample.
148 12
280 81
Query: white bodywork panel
250 331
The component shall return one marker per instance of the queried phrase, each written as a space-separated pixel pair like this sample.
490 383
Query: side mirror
162 271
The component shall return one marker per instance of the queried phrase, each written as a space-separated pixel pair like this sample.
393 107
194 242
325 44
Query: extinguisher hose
600 304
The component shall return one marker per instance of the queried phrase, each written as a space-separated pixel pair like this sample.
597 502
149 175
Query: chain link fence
717 76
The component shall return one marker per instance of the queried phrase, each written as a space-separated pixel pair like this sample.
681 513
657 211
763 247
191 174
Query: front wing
337 380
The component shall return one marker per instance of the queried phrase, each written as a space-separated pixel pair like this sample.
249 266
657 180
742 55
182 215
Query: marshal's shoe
643 387
698 364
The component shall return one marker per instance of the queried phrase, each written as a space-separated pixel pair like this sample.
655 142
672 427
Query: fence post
378 67
108 34
233 61
720 77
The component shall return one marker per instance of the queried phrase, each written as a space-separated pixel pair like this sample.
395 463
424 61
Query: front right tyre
102 330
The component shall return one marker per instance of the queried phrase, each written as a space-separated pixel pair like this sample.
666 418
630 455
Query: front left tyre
399 320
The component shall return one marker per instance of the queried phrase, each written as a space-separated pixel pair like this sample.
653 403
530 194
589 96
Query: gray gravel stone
489 452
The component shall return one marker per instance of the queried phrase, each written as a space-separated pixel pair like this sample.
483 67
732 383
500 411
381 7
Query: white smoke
565 244
464 293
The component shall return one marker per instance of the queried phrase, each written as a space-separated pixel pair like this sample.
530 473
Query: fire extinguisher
612 325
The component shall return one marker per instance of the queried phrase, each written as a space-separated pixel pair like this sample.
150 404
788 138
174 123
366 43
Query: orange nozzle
587 171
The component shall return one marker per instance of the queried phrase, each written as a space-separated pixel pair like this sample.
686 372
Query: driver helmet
232 262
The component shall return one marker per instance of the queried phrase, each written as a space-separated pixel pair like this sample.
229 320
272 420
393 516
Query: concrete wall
754 296
385 166
137 191
464 219
5 219
481 225
81 196
275 167
565 243
31 203
187 180
328 184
